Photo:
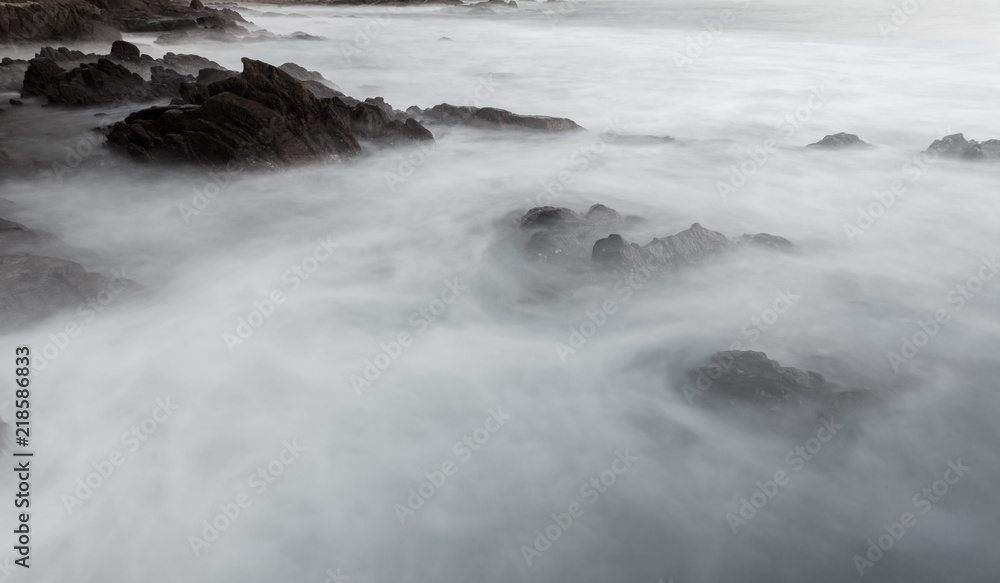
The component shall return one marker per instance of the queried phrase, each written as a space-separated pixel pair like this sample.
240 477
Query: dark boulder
493 118
125 51
841 140
561 234
263 117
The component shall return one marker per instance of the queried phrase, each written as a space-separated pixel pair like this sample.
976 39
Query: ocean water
357 332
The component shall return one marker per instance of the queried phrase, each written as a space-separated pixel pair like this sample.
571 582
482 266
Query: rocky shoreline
271 118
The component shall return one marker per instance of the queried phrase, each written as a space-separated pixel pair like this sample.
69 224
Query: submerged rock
767 241
37 287
564 235
956 146
841 140
749 377
493 118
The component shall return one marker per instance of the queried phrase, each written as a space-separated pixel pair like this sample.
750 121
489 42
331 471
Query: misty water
404 231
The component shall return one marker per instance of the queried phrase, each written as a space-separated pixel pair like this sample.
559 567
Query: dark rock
841 140
16 102
373 119
301 73
687 247
39 76
316 83
197 5
493 118
208 76
102 83
188 64
604 217
125 51
262 117
956 146
752 378
299 35
766 240
65 55
66 20
561 233
36 287
616 253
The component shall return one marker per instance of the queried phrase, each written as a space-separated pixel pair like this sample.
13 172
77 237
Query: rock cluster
749 377
956 146
263 117
563 235
104 20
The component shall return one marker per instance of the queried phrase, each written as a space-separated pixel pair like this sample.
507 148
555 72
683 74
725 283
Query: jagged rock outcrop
66 20
492 118
841 140
956 146
563 235
101 83
749 377
687 247
263 117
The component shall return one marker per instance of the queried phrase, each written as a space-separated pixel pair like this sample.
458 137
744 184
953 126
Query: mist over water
374 257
